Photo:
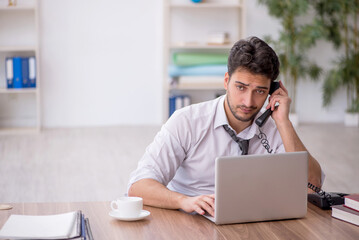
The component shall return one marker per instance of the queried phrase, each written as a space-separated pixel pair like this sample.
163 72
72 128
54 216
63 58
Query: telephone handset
319 198
263 118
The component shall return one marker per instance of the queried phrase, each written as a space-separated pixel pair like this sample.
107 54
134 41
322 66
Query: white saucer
142 215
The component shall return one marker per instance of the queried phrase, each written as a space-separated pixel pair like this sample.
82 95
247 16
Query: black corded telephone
319 198
324 200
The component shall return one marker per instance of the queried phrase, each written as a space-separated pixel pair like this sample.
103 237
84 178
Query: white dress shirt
182 155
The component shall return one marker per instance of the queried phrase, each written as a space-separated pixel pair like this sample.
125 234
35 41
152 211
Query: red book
352 201
345 214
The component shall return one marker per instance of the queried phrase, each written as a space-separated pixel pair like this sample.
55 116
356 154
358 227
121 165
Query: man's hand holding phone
279 103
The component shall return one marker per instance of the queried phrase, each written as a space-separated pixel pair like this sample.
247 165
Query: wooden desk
172 224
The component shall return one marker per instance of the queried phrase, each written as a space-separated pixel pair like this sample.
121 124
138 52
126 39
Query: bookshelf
186 29
19 27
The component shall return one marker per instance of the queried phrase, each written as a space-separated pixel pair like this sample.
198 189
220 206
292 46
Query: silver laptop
255 188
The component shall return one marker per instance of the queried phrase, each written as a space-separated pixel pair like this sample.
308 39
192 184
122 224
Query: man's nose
248 99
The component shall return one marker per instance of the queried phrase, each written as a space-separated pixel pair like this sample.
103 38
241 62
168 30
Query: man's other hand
199 204
280 96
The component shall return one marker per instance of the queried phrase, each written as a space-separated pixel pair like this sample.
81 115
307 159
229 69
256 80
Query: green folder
191 59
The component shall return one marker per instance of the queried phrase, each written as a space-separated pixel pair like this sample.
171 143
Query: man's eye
260 91
240 88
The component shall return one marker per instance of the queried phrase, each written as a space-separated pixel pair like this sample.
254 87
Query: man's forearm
292 143
155 194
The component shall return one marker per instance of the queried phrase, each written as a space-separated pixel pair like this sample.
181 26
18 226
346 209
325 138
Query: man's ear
226 80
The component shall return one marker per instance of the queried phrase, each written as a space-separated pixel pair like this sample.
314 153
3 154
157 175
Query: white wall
101 63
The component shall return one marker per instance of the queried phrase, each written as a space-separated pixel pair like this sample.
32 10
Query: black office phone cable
321 192
263 137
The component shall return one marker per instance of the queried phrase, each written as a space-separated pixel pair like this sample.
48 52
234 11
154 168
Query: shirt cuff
322 178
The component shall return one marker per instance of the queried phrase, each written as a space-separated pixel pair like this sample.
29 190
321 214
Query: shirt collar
221 119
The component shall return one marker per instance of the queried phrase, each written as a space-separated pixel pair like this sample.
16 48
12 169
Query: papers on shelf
218 38
204 70
197 82
194 59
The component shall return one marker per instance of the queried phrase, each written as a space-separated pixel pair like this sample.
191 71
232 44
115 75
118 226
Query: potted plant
295 39
339 20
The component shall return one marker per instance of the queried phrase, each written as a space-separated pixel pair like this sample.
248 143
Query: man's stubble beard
232 109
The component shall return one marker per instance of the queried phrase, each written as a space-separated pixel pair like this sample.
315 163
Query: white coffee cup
127 206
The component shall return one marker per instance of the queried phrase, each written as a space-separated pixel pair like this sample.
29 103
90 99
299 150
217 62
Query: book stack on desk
72 225
349 211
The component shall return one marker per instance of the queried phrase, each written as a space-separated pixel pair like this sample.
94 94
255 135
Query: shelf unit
19 26
186 28
208 4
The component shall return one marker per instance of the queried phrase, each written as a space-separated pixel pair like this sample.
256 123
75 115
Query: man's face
246 94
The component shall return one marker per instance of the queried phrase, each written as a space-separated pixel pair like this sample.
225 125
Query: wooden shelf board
206 5
17 48
19 130
201 46
18 90
17 8
198 86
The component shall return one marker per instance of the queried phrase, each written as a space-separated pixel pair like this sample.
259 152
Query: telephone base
322 202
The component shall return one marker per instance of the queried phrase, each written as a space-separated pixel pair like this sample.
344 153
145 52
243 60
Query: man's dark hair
255 56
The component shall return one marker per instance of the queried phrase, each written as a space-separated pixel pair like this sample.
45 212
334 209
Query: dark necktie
243 144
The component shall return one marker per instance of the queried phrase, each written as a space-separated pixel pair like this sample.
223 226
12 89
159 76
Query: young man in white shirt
177 169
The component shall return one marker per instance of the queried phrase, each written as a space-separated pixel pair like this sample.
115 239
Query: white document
32 68
9 69
40 227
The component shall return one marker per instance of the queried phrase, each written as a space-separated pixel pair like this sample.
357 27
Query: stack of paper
70 225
